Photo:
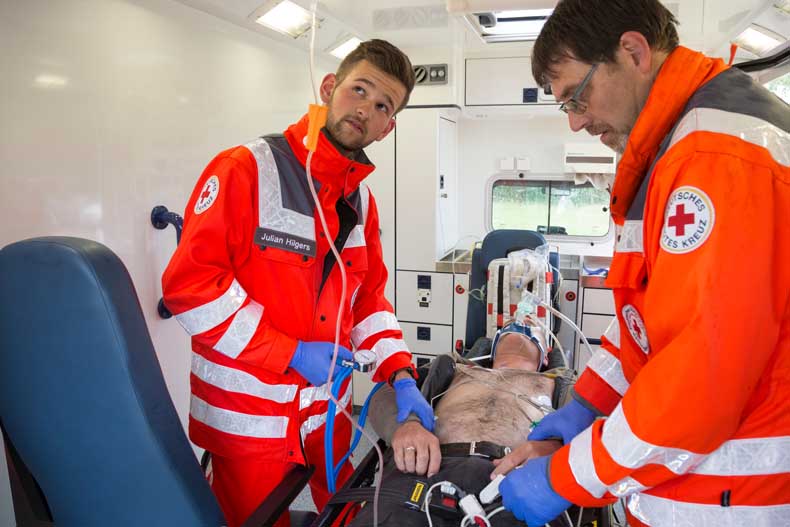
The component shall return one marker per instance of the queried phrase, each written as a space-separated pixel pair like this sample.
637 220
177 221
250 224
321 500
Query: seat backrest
82 396
496 244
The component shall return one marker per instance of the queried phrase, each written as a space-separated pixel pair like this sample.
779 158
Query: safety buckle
473 449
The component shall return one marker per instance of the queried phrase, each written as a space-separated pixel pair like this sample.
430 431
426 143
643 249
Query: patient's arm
523 453
424 455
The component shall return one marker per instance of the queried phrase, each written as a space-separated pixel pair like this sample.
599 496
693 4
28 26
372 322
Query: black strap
475 448
500 294
362 494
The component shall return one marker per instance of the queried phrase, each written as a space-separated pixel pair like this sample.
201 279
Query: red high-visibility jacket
247 282
694 375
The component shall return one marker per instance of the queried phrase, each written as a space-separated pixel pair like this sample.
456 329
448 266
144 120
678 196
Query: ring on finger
408 448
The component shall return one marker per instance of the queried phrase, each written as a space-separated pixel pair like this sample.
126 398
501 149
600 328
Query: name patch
284 241
688 220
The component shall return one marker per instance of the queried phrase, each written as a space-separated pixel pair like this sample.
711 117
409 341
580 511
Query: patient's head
514 347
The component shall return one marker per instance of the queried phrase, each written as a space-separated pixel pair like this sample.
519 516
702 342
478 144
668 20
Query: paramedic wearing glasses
254 283
691 385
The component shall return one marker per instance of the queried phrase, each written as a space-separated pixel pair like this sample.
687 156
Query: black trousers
469 473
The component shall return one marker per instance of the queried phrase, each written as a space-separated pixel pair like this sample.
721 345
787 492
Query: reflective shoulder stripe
311 394
271 212
241 330
237 381
386 347
749 128
375 323
203 318
612 332
609 369
356 237
657 511
236 423
314 422
630 451
581 464
748 457
629 237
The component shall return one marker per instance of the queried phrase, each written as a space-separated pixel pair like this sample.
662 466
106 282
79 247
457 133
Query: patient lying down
495 406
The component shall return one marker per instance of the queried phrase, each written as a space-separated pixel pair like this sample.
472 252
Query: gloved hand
410 400
312 360
565 423
527 493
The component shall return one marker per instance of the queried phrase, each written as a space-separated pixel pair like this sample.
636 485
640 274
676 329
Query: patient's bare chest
491 405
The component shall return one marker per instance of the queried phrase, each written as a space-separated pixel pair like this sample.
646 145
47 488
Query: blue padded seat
82 396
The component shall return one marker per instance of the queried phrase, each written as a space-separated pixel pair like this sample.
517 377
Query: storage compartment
424 297
428 339
594 326
503 81
598 301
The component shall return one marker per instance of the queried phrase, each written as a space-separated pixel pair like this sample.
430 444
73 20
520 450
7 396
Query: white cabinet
426 190
424 297
502 81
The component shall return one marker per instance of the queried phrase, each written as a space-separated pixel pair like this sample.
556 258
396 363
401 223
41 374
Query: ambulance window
550 207
781 87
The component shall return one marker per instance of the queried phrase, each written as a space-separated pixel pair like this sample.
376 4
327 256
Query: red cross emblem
681 219
636 328
205 195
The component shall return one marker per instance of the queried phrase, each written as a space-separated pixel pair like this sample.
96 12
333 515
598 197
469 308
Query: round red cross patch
207 196
688 220
636 327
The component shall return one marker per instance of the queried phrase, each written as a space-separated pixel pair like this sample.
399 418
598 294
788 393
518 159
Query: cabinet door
447 188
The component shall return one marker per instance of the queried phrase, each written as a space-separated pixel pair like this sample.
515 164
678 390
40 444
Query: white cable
427 500
579 520
308 164
493 512
567 517
546 329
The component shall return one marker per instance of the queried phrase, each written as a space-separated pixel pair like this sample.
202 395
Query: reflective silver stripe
312 423
629 237
312 394
609 369
241 330
628 450
749 128
237 381
612 332
581 464
375 323
386 347
271 213
357 236
626 487
748 457
663 512
230 422
212 314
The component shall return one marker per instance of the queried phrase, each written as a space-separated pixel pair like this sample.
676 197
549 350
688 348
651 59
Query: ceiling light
285 17
758 40
344 47
511 26
46 80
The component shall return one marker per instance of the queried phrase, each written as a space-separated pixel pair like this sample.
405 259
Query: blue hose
332 470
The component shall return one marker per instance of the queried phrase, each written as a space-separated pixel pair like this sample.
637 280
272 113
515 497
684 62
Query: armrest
278 501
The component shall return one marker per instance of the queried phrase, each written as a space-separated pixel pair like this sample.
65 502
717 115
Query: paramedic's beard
347 134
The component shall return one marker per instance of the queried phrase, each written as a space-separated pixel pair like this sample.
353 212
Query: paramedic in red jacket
692 381
255 284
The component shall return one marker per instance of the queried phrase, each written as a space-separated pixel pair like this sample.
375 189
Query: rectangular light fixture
511 26
758 40
345 47
285 17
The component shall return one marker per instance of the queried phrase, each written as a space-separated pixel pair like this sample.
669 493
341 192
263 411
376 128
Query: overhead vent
508 26
414 17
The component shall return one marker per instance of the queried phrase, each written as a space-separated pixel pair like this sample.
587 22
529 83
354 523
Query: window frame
547 178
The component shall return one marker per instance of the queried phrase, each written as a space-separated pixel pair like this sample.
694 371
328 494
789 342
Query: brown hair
590 31
385 57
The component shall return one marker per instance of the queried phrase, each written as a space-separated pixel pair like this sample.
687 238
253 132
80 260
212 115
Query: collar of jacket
328 166
682 73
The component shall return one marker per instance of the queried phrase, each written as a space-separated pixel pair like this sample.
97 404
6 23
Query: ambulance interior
111 108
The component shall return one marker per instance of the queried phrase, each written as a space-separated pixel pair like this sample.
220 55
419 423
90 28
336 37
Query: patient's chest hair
491 405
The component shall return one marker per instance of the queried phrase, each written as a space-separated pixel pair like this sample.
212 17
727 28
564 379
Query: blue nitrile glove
312 360
410 400
565 423
527 493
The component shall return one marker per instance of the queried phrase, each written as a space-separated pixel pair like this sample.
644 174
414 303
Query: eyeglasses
574 105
